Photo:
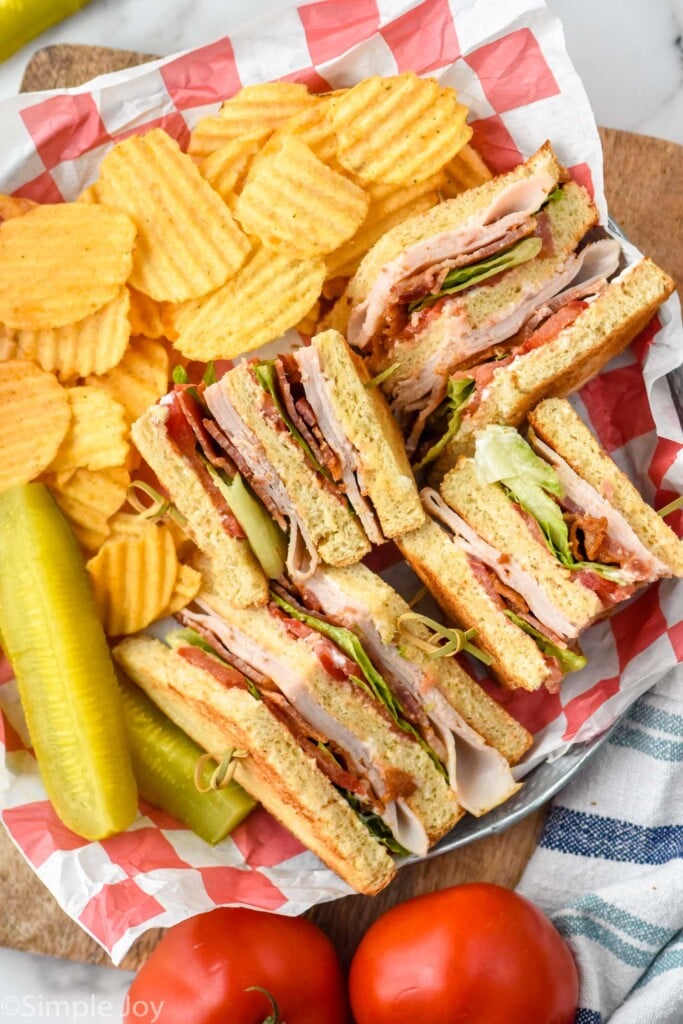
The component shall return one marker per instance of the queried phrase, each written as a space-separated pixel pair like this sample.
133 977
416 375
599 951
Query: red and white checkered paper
508 62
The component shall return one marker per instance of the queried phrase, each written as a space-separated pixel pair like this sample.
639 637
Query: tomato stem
274 1017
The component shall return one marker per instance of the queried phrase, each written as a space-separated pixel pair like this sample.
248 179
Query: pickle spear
164 762
55 642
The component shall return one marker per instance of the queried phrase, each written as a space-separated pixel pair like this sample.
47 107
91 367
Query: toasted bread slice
276 771
563 365
445 342
241 580
556 423
446 572
283 656
383 472
384 607
494 517
335 532
468 206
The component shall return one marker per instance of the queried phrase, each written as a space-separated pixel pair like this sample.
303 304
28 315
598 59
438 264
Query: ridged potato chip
133 579
14 206
188 241
139 379
307 323
131 524
255 109
62 263
271 293
398 130
226 168
266 102
466 170
128 524
266 105
92 345
187 585
8 344
293 202
89 194
389 206
146 315
213 133
88 499
179 315
313 127
96 438
34 420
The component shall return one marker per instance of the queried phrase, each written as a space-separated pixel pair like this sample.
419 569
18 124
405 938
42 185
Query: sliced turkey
641 565
302 556
478 774
506 568
359 753
506 212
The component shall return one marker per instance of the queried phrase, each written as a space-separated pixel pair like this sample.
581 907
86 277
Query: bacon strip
224 674
302 415
430 280
256 484
181 434
194 416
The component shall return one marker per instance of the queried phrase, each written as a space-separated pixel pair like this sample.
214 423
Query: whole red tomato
202 970
472 954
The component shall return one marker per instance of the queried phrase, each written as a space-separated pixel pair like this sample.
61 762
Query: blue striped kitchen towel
609 867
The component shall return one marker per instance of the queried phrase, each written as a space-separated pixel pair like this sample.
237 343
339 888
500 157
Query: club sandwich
533 541
474 737
323 744
301 450
443 288
562 346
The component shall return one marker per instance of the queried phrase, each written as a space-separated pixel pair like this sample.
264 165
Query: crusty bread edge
508 402
241 579
275 772
433 557
556 423
391 488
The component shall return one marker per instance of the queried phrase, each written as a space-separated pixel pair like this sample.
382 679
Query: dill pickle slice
55 642
164 760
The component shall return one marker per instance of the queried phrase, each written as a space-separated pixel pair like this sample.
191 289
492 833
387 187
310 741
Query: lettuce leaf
379 829
458 394
465 277
373 683
568 660
503 456
553 197
209 377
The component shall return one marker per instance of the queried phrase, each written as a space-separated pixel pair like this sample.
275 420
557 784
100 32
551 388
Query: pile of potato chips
170 257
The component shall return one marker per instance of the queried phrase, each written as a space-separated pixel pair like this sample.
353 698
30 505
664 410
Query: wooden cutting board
643 183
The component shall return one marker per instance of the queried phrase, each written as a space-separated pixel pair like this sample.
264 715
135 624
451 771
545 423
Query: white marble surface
630 55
